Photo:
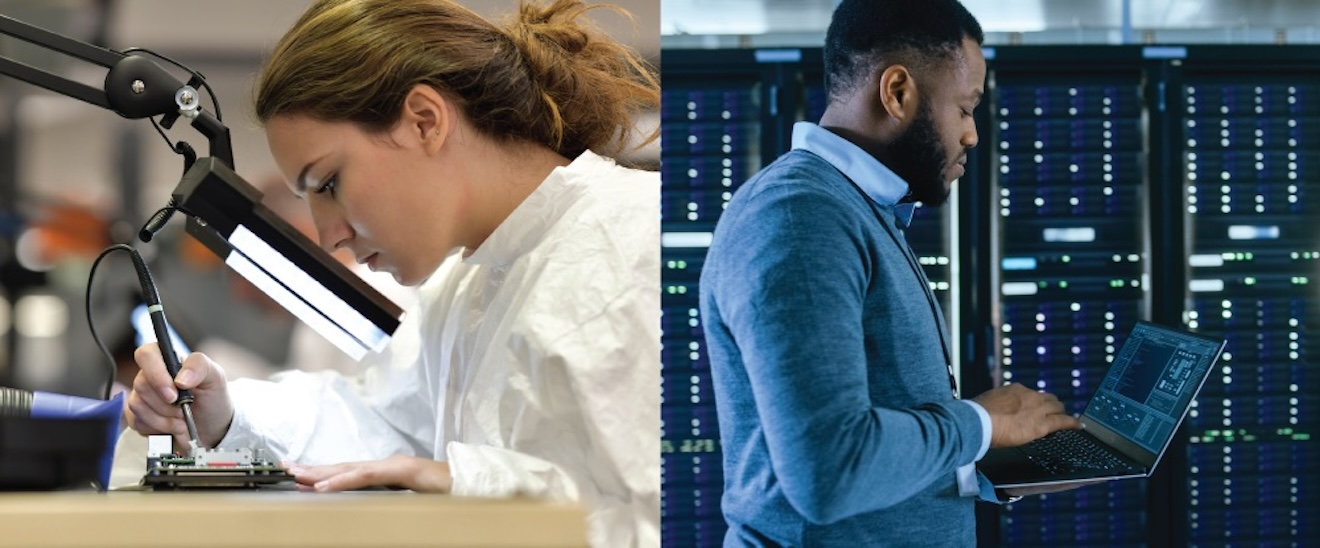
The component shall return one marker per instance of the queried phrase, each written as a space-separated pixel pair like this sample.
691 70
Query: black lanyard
901 242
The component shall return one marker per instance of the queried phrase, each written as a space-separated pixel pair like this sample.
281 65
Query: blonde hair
548 77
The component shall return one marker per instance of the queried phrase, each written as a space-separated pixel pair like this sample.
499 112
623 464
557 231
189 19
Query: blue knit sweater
837 422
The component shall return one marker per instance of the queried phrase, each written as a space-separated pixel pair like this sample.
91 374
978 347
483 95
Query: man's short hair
868 34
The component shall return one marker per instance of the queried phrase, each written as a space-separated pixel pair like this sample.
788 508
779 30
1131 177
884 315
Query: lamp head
226 214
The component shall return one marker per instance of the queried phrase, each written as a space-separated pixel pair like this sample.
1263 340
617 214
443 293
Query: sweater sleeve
793 277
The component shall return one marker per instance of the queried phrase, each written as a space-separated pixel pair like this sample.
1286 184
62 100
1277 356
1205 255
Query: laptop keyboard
1068 451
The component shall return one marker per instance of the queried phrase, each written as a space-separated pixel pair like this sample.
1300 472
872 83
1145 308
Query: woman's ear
426 119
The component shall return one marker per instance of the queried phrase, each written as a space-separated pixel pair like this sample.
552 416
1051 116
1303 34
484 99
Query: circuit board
212 469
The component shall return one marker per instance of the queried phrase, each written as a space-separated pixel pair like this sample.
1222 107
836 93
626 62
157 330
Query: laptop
1129 421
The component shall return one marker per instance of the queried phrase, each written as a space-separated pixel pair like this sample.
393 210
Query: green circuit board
175 473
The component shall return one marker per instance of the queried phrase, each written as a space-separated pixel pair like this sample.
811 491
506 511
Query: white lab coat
532 365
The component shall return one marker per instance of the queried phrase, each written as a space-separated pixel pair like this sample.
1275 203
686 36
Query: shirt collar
880 183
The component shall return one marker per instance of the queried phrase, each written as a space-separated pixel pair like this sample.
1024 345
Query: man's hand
1019 415
417 474
150 406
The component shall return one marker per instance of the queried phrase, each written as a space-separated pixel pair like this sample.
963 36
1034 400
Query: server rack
1070 247
1247 156
1098 253
717 124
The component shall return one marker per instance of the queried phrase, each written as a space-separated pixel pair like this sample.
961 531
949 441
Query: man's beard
918 157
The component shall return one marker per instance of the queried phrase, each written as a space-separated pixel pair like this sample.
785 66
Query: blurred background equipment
221 208
54 441
75 175
1157 161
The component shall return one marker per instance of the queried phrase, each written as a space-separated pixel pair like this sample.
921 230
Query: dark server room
1170 177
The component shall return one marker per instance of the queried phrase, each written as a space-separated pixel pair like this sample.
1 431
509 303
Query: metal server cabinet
719 126
1070 253
1247 153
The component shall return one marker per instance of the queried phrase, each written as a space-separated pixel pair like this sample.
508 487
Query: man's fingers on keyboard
1062 421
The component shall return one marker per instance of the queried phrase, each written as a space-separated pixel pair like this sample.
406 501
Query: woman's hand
150 406
417 474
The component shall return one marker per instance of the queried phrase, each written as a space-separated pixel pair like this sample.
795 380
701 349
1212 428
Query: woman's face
381 197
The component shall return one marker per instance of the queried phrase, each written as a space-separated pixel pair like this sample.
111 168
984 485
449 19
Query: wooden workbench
279 519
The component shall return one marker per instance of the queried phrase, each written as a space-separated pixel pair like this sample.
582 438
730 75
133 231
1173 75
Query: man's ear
426 119
896 92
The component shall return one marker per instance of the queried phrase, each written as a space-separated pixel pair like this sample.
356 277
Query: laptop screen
1151 383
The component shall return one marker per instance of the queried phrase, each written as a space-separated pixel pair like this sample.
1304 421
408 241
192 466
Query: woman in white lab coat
469 160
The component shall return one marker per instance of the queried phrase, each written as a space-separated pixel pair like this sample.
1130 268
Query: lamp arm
224 211
135 86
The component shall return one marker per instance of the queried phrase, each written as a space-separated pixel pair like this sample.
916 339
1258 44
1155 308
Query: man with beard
831 362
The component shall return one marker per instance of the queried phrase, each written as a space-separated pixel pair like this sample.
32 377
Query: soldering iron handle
159 325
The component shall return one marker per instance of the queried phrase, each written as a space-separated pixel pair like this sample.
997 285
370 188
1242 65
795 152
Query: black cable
87 304
152 299
181 147
157 221
215 103
162 133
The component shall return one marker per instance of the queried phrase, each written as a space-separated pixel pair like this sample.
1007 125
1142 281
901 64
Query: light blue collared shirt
885 188
874 178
